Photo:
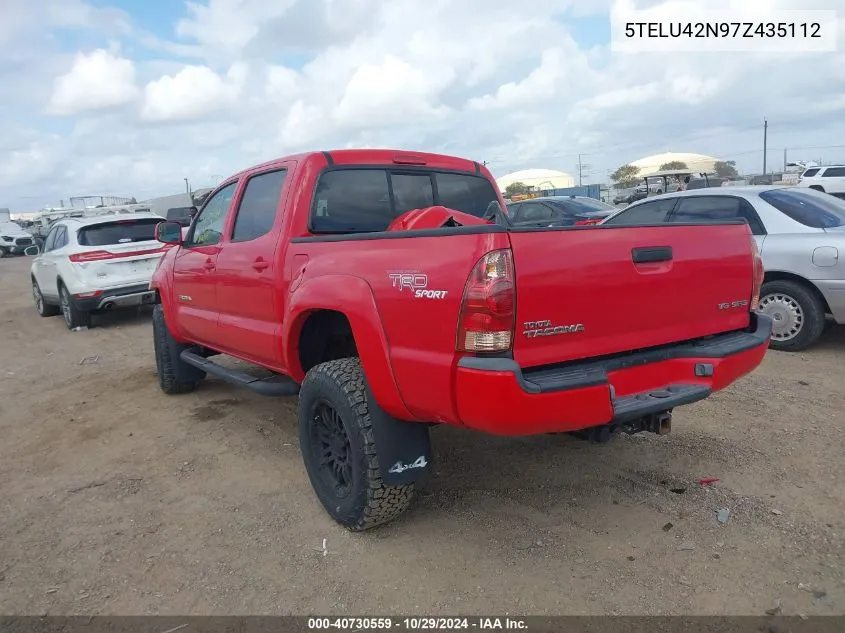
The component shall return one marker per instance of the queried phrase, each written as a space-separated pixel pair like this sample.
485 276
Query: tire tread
164 362
383 503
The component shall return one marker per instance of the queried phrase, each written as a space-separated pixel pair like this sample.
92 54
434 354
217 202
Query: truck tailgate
606 290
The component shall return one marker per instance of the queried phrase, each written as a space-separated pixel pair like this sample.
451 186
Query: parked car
559 211
93 264
627 196
182 215
829 179
13 239
801 235
390 291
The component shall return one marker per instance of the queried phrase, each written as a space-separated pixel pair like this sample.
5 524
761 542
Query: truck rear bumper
496 396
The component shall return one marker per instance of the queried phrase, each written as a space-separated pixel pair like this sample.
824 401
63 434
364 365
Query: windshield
120 232
808 207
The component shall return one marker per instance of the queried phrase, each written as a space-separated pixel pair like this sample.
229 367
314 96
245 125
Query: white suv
830 179
97 263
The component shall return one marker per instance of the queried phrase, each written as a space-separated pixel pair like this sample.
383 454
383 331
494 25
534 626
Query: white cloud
390 92
193 92
519 85
97 80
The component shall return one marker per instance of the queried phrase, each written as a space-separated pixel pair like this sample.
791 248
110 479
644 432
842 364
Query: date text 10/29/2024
418 624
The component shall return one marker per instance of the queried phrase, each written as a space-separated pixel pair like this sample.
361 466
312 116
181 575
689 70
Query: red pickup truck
392 291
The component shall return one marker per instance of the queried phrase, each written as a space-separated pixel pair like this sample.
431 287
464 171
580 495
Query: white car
830 179
13 239
91 264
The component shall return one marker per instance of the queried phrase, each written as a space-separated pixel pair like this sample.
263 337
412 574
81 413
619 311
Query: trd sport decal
416 284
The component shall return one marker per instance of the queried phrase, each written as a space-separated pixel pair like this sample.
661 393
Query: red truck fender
404 447
353 297
160 281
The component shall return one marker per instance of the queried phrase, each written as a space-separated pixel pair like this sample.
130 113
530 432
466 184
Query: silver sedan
800 234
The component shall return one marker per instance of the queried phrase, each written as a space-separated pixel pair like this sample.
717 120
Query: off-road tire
812 310
41 306
369 502
74 317
167 351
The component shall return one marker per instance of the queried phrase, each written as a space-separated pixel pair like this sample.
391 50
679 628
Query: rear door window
647 213
834 172
716 208
257 209
118 232
810 172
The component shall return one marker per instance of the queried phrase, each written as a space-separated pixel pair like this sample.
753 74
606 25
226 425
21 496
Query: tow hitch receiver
659 423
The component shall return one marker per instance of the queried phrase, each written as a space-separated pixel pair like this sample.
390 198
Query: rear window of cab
360 200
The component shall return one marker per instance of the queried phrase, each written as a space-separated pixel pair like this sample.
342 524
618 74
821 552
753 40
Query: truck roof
398 157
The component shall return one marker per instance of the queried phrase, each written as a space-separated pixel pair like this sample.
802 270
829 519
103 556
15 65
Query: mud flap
403 448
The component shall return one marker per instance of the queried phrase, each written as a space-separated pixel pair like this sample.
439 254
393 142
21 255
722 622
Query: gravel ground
119 500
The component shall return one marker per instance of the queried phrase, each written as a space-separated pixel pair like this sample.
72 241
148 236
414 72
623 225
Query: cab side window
208 228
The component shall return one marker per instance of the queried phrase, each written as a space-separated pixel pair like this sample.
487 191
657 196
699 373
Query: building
538 179
695 162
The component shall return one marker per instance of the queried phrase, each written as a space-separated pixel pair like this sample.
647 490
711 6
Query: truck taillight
757 282
486 320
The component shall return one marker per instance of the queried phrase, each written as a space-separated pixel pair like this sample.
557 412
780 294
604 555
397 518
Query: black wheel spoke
330 448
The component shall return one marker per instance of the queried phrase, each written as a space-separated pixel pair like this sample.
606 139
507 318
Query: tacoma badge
534 329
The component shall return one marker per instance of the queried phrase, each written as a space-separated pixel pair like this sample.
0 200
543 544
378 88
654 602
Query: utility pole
187 187
580 172
784 159
765 142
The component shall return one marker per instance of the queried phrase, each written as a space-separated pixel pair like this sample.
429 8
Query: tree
626 176
673 164
516 189
725 169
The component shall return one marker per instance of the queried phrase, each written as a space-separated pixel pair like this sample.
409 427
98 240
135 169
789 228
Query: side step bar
276 386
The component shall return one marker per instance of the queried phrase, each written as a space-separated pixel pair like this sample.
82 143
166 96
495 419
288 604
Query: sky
130 97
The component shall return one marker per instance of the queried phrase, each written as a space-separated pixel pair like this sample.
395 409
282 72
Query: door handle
649 254
208 265
259 264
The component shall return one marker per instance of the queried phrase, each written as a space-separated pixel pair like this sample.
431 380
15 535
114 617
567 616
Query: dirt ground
116 499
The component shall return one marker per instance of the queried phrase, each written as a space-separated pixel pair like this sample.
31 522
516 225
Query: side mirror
32 251
169 232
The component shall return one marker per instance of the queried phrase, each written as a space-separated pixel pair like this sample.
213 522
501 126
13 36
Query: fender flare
161 282
403 447
353 297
